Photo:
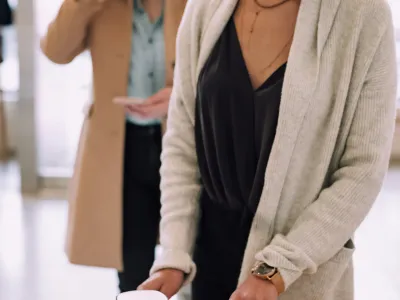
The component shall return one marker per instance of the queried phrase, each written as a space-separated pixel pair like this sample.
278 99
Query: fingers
158 284
145 111
153 100
148 111
131 110
152 112
129 101
160 97
235 296
169 290
137 112
120 100
154 283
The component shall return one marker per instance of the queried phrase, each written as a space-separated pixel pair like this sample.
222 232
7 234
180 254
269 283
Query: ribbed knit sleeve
180 184
326 225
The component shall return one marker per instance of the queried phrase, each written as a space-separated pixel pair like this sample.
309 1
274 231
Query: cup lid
142 295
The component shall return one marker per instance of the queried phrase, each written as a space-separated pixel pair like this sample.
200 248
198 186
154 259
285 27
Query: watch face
264 269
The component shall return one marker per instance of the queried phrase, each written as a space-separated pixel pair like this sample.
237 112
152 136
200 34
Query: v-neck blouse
235 125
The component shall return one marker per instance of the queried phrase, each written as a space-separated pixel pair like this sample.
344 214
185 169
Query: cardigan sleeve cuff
289 276
174 259
290 261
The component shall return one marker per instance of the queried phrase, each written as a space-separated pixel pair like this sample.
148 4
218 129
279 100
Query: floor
33 265
32 261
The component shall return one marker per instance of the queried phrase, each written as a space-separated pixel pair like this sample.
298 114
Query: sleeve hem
285 257
288 276
172 259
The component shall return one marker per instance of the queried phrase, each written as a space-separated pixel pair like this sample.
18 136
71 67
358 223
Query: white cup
142 295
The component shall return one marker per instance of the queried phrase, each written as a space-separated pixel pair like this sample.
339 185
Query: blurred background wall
56 95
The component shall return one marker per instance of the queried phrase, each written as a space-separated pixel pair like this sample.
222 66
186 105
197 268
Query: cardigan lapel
328 13
314 23
173 11
298 90
223 9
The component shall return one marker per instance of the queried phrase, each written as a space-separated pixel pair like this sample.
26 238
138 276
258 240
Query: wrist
265 282
270 274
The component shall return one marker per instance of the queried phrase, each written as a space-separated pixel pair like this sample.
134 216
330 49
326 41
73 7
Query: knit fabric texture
330 154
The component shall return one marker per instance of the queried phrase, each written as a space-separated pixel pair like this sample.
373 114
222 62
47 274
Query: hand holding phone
128 101
132 106
153 107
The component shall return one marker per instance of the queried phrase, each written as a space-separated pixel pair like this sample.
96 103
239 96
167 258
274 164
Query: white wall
10 109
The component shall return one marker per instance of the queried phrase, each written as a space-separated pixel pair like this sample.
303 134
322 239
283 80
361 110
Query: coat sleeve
180 182
67 35
326 225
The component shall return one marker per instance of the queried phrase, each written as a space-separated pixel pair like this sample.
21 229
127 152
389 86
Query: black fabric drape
5 13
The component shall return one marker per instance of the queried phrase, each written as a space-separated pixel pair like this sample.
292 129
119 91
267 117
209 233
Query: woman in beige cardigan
270 204
114 198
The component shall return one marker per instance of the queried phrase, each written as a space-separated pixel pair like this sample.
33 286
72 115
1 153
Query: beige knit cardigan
330 154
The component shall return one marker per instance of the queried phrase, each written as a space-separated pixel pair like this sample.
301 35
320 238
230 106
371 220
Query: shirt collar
138 7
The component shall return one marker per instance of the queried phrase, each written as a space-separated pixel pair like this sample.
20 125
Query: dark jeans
220 246
141 207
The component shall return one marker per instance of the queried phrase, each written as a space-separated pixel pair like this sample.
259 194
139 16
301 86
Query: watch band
272 274
278 282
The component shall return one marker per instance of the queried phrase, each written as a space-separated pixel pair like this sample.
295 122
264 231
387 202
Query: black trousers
5 13
141 203
220 246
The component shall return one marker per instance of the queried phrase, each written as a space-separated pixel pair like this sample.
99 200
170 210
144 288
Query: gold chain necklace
270 6
265 7
257 13
278 55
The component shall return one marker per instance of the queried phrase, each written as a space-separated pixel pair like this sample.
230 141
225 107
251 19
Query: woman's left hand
155 107
255 289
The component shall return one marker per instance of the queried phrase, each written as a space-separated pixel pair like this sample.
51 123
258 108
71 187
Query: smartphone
128 101
142 295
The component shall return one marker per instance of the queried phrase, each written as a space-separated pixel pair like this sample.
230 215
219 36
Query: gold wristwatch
266 272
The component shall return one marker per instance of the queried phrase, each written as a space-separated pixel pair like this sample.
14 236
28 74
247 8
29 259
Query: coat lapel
173 12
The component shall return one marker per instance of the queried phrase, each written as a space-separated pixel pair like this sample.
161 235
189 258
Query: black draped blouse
235 125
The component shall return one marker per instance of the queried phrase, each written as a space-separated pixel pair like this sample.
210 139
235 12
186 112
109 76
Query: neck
153 8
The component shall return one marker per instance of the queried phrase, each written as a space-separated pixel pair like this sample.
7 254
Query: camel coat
94 235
